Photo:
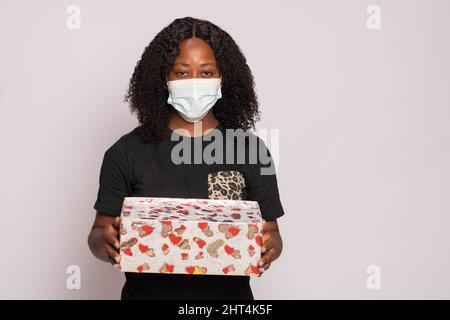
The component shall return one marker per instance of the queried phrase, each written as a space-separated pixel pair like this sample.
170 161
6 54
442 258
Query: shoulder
129 141
126 145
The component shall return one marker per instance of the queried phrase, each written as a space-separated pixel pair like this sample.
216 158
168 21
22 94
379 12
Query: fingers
116 223
267 242
267 264
265 267
269 250
266 259
112 244
267 245
113 254
111 236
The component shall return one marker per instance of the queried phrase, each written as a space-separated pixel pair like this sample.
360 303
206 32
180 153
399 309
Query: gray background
364 138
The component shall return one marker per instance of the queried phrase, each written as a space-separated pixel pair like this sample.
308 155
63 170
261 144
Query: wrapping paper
190 236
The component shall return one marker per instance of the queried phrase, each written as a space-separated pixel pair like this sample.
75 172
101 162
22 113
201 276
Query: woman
191 82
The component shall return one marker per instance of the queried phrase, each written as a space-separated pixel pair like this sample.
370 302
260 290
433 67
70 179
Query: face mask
193 97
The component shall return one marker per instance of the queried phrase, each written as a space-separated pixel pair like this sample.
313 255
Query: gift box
190 236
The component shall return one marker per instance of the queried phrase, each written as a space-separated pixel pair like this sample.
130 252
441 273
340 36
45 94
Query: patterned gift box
190 236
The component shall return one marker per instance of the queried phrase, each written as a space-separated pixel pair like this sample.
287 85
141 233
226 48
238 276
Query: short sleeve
114 182
263 185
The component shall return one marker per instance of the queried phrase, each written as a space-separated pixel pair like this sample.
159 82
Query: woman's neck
179 125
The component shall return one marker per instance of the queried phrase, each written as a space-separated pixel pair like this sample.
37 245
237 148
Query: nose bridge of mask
194 88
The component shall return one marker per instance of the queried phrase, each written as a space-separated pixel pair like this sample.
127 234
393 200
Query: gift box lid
185 209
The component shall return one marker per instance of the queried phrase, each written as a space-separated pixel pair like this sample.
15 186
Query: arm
103 239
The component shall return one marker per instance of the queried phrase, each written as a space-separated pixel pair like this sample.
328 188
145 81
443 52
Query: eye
207 73
180 73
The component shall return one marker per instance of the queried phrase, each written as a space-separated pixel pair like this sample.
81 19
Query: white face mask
193 97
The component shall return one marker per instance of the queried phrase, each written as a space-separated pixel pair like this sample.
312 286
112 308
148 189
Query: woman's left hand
272 245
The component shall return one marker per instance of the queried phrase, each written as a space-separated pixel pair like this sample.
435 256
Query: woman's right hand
111 240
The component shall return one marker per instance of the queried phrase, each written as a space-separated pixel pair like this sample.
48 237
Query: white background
364 138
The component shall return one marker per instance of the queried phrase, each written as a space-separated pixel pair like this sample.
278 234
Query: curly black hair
147 92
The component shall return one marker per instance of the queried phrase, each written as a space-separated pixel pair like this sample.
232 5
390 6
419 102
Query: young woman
191 74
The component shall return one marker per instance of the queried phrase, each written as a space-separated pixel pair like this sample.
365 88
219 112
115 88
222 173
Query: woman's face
195 60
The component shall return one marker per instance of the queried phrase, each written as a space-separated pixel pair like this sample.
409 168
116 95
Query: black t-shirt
132 167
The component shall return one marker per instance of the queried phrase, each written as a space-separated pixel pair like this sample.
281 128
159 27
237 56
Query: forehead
195 50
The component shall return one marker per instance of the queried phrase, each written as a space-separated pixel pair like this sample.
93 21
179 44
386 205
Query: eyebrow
202 65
